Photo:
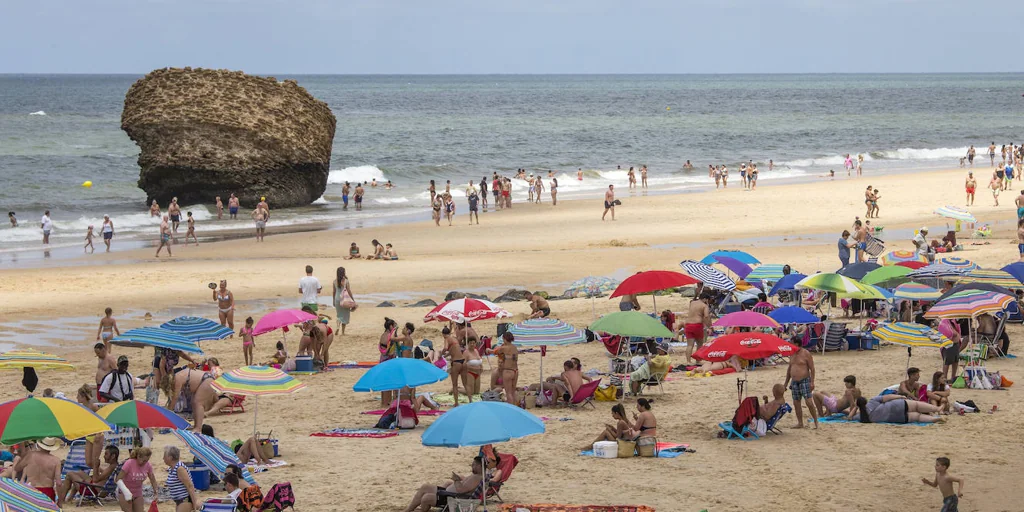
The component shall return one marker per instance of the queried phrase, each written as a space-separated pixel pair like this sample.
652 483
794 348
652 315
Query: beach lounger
585 395
237 405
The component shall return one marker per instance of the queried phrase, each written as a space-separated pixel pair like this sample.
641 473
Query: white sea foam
38 113
930 154
321 201
356 174
391 200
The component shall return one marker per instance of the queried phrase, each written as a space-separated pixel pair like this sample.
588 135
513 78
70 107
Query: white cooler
606 449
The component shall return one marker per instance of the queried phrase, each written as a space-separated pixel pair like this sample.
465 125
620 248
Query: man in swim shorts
698 319
1020 237
1020 205
108 328
971 184
800 381
165 237
538 305
609 202
174 211
233 207
40 468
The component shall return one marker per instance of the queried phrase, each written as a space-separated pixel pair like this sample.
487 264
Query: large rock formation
206 133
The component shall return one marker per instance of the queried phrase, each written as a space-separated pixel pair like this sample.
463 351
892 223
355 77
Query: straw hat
49 444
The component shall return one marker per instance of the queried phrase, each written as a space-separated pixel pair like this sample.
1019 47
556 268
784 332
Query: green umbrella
631 323
889 277
834 283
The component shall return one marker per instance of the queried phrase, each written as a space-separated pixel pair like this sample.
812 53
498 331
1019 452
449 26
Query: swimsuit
546 311
950 503
830 403
232 210
49 492
694 331
801 388
244 333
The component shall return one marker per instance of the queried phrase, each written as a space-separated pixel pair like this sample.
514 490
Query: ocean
57 131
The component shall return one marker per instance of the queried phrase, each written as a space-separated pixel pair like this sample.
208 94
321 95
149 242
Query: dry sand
838 467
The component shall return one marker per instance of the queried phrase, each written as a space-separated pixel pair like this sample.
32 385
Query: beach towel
665 451
448 399
347 365
425 412
841 418
371 433
253 467
551 507
545 418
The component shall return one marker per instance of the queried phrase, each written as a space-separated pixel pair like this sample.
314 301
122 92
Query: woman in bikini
554 191
620 430
388 348
93 444
646 425
508 366
474 368
194 388
225 305
457 363
436 204
323 350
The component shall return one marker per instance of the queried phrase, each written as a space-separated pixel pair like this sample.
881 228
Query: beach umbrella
746 345
834 283
993 277
213 453
591 286
157 338
281 318
18 497
890 276
481 424
709 276
746 319
31 358
786 283
956 213
939 271
858 270
914 265
985 287
652 281
911 335
901 255
256 381
1016 270
866 292
793 315
197 329
399 373
916 291
771 272
31 418
736 266
969 304
140 414
466 310
736 255
537 332
957 262
631 323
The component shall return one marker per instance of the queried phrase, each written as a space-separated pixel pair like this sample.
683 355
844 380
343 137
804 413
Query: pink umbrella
460 310
746 319
281 318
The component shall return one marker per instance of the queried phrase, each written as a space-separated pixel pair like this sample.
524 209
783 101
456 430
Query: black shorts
108 235
906 409
999 174
183 500
950 354
442 498
175 218
546 311
607 205
496 193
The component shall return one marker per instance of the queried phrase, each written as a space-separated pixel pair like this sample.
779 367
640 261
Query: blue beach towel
840 418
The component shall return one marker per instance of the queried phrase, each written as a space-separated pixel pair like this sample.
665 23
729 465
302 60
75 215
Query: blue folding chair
749 435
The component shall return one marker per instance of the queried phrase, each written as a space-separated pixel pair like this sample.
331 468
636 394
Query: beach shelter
257 381
993 277
745 345
652 281
281 318
889 277
213 453
769 272
157 338
18 497
858 270
197 329
710 276
901 255
481 424
911 335
734 265
544 332
750 319
27 419
734 254
591 286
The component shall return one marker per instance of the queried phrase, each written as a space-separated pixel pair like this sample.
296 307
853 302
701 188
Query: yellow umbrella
29 358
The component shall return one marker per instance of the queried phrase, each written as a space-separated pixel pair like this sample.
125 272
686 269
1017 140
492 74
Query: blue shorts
1020 248
233 210
1020 212
344 199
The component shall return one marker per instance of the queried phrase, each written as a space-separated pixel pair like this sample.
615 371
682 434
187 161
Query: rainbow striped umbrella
957 262
969 304
197 329
916 291
140 414
29 358
18 497
32 418
994 277
911 335
257 381
545 331
899 256
956 213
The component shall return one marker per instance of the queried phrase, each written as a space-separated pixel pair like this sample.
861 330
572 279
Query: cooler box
869 342
200 476
303 363
606 449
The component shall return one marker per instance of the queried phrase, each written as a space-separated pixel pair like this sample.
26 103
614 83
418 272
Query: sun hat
49 444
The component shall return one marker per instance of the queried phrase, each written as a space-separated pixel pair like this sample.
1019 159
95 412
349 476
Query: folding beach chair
219 505
507 465
749 435
835 337
99 494
654 381
75 460
237 405
992 340
585 395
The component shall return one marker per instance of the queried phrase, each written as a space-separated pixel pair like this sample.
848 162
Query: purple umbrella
736 266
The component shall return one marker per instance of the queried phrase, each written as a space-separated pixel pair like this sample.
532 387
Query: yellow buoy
668 108
87 184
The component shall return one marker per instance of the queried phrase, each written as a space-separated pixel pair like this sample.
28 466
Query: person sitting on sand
620 430
353 252
390 254
896 409
378 251
563 385
539 307
429 495
911 388
280 357
831 404
646 425
659 365
194 388
938 392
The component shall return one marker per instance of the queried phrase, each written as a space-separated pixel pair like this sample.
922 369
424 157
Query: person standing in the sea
433 191
108 231
970 155
233 207
483 192
165 237
47 226
220 208
344 195
174 211
359 196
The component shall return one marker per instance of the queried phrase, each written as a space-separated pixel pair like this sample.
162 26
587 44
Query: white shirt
234 494
310 287
47 225
921 243
119 386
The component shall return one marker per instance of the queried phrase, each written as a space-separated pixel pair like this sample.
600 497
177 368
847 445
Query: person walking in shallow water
165 236
609 202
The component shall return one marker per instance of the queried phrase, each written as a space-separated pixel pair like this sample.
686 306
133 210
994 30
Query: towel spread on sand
448 399
372 433
665 451
551 507
351 364
545 418
253 467
841 418
424 412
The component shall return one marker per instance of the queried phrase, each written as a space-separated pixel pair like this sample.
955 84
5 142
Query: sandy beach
540 247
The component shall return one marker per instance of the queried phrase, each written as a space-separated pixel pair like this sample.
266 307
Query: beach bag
252 496
606 394
1004 382
627 449
491 396
647 447
959 383
385 421
279 497
347 302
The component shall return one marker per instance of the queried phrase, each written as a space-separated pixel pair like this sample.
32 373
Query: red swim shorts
694 332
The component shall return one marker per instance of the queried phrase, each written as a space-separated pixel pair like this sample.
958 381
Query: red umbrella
460 310
652 281
747 345
912 264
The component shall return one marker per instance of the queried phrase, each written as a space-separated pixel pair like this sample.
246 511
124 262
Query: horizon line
795 73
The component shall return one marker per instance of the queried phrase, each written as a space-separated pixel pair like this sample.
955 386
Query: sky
512 37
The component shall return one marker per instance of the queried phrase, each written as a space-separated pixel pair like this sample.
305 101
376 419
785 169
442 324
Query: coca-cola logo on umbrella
785 348
717 353
750 342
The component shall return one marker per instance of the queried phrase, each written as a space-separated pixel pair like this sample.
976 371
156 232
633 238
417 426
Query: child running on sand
944 481
248 343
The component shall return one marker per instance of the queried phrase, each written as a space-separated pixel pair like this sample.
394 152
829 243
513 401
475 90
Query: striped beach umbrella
213 453
900 255
545 331
156 337
771 272
911 334
889 276
957 262
736 255
969 304
916 291
834 283
956 213
1016 270
711 277
939 271
591 286
257 381
31 418
197 329
140 414
18 497
995 277
30 358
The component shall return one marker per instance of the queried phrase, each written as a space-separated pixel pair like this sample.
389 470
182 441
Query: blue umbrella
736 255
793 315
197 329
787 282
399 373
1016 270
156 337
481 423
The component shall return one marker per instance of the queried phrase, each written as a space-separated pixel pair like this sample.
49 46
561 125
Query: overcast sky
510 36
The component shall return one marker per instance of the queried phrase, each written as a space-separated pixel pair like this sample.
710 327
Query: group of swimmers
748 174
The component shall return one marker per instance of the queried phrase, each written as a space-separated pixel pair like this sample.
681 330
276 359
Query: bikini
246 331
223 298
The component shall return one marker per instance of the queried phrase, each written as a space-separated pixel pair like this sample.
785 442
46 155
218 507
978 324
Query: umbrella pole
541 374
655 299
255 414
